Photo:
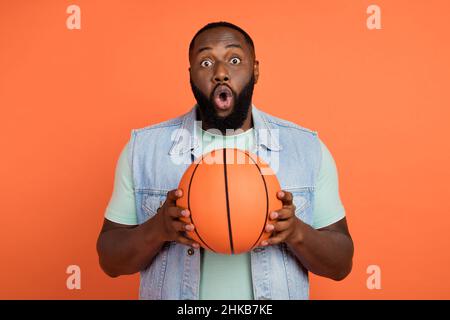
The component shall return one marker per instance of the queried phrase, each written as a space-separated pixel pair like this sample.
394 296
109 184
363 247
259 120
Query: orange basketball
230 194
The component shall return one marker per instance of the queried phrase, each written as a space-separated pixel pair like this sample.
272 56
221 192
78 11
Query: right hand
172 228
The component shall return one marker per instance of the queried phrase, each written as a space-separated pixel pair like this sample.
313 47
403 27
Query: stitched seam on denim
304 206
285 262
299 189
168 123
266 123
151 191
146 208
162 272
186 276
293 126
266 283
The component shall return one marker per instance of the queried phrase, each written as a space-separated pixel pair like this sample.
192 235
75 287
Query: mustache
236 118
211 95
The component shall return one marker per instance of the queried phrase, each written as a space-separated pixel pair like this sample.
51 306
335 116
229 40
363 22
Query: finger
278 226
172 197
187 241
177 212
180 226
277 239
282 214
285 197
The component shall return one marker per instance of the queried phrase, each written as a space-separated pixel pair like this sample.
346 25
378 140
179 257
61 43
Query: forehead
219 37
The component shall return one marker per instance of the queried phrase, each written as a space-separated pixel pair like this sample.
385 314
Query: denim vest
159 155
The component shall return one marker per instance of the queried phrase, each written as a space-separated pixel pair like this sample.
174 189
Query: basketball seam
228 203
189 207
267 200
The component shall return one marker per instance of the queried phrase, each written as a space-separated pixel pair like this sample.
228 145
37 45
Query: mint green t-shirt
228 277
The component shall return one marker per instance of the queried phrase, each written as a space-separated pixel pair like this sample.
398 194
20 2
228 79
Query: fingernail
274 215
184 213
189 227
281 194
270 227
178 193
264 243
196 245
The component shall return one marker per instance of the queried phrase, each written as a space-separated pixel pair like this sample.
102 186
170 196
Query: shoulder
327 159
280 123
157 135
177 121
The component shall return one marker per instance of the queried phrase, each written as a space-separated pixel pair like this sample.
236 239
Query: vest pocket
302 200
151 203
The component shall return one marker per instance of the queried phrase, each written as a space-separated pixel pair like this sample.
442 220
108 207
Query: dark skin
124 249
221 55
327 252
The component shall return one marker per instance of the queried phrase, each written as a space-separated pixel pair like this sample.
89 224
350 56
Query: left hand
286 228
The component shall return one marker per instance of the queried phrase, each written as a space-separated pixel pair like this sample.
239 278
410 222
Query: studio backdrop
371 77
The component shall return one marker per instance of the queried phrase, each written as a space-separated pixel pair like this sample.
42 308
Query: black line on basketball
267 200
189 207
228 203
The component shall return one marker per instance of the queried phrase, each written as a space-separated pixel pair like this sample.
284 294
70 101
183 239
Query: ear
256 70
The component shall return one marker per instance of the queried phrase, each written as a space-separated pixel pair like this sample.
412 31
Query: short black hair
218 24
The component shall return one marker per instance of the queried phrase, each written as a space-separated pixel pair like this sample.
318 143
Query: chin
224 113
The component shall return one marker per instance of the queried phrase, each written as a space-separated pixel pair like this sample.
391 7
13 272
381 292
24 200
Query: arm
326 252
126 249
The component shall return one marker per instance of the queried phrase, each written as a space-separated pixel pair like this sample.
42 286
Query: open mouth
223 97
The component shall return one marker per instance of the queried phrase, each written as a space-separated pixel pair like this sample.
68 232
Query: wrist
297 237
154 231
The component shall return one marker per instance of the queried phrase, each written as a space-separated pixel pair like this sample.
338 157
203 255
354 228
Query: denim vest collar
264 135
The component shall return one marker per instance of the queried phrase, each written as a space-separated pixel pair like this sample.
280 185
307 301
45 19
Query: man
142 229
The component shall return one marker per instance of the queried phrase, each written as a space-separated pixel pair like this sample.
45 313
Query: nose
220 73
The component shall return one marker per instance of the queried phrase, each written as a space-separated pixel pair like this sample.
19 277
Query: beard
236 118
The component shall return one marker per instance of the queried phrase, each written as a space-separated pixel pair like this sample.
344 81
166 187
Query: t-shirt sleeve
122 206
328 207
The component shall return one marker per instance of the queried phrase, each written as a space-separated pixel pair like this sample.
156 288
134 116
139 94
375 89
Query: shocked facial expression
223 71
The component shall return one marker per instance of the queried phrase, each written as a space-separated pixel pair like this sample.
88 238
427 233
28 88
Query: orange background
378 98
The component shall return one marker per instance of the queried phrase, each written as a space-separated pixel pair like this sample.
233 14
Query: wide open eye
206 63
235 60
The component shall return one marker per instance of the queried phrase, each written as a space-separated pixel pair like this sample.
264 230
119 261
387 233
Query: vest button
190 251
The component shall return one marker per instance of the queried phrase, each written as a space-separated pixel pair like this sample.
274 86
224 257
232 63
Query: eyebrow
232 45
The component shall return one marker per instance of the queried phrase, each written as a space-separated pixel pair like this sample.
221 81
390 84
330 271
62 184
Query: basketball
230 194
